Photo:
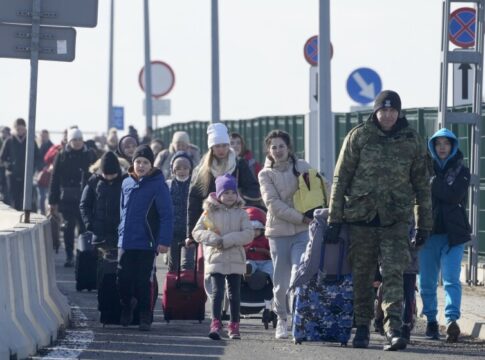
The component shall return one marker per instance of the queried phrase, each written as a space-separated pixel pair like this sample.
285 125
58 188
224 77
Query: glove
331 235
419 238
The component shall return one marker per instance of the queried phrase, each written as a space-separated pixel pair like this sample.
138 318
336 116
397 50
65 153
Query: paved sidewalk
472 321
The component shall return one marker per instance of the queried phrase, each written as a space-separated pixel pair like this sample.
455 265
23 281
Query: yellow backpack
311 193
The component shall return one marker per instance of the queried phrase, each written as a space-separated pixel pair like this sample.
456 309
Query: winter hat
181 155
19 122
74 134
110 164
144 151
217 134
387 99
225 182
257 217
180 136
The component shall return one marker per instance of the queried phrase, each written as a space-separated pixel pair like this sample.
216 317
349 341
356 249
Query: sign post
41 43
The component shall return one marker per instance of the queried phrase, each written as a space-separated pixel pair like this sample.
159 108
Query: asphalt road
87 339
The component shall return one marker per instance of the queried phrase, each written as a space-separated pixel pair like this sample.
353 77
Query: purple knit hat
225 182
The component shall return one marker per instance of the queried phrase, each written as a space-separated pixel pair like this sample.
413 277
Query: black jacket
13 156
247 184
100 207
449 190
69 176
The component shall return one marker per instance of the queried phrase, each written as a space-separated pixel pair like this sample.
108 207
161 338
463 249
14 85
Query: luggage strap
179 265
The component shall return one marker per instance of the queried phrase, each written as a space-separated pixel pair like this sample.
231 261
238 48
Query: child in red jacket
257 251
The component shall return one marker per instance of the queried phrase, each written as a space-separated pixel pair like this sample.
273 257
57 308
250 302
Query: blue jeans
262 265
434 256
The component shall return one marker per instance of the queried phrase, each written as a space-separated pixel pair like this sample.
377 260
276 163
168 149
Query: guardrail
33 312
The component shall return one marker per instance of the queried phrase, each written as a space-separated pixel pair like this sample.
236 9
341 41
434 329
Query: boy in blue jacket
145 229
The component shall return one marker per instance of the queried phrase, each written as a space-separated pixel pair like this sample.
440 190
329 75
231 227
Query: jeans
262 265
434 256
71 219
218 282
286 252
41 197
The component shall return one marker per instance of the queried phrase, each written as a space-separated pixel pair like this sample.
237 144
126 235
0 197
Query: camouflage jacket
382 174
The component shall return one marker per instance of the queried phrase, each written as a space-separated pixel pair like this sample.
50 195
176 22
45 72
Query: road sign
310 50
163 78
462 26
118 118
55 43
159 107
463 80
313 88
82 13
363 85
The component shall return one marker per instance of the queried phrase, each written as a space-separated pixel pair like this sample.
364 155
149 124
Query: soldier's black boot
396 341
361 337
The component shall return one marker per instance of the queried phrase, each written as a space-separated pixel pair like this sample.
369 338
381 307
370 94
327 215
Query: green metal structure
254 131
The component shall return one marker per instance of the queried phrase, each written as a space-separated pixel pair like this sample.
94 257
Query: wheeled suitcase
323 307
183 295
109 305
86 262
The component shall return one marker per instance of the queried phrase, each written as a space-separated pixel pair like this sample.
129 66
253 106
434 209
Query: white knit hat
218 134
180 136
74 133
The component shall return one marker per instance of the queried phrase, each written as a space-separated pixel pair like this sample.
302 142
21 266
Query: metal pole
148 70
442 106
110 81
216 107
325 118
30 139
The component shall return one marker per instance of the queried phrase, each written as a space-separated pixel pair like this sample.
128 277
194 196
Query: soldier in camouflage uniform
381 174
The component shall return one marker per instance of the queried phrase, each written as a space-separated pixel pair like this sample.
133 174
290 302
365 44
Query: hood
257 214
95 168
454 149
212 203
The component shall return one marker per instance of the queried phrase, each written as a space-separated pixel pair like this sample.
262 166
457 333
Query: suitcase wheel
297 341
343 344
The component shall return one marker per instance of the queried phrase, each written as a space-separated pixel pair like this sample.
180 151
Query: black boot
379 326
432 330
396 341
406 333
361 337
145 321
452 332
126 317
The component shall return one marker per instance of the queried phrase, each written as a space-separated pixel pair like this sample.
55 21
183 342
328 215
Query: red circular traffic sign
462 26
310 50
163 78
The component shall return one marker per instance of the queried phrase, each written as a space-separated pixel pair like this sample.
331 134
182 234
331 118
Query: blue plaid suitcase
323 308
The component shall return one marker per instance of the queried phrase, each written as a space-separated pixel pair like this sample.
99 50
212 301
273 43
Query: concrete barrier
32 310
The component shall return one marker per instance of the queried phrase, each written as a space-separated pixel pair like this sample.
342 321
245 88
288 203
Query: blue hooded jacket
454 145
146 212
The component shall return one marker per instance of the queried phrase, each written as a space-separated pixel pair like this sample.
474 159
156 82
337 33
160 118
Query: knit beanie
73 134
217 134
257 217
110 164
387 99
183 155
225 182
180 136
19 122
144 151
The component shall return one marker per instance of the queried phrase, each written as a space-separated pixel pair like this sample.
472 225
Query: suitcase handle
340 259
179 265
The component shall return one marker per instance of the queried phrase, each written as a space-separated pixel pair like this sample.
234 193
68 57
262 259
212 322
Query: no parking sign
462 26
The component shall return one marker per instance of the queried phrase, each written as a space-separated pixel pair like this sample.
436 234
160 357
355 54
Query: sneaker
215 330
145 321
126 317
432 330
452 332
69 263
281 330
396 341
233 331
361 337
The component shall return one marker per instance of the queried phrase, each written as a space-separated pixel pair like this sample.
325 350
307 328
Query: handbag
43 177
311 193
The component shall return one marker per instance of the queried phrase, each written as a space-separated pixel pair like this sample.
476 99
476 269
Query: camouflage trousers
367 246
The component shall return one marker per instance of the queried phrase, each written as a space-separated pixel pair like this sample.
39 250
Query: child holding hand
224 228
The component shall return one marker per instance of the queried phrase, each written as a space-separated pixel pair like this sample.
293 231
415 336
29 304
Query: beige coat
223 232
278 185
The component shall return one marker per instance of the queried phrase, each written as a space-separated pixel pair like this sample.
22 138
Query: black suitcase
86 263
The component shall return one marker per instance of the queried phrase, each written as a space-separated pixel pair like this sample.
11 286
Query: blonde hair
204 175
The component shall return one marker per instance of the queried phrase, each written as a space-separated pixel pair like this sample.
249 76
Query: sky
262 67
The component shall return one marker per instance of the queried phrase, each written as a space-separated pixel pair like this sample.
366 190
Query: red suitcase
183 295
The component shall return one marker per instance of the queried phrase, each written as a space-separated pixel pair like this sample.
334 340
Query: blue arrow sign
363 85
118 119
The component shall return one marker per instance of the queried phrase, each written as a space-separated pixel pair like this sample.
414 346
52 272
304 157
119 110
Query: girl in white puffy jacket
224 228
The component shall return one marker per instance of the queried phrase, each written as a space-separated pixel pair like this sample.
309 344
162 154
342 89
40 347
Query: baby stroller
256 286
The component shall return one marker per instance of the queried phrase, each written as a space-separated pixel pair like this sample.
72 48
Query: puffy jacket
278 185
146 212
100 206
13 155
449 190
380 176
232 225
